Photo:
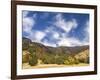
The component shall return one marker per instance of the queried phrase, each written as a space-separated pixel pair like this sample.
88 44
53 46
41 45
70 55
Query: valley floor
27 66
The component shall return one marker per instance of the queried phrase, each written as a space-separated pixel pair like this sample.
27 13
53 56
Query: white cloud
65 41
53 31
39 35
45 42
36 36
25 13
62 39
73 41
28 22
86 32
49 29
65 25
69 41
56 35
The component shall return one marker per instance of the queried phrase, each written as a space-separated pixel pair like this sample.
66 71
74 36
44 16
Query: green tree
48 59
32 49
33 60
59 60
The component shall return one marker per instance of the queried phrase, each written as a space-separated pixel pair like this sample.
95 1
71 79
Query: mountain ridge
60 49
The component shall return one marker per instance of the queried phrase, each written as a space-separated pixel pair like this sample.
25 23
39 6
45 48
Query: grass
27 66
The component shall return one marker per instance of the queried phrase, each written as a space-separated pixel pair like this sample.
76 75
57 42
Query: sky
56 28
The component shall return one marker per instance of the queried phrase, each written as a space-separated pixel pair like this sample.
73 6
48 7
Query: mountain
26 43
78 52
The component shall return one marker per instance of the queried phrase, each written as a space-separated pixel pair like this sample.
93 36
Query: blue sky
55 28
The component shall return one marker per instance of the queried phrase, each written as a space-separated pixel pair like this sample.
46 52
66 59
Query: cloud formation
37 36
67 26
28 22
55 34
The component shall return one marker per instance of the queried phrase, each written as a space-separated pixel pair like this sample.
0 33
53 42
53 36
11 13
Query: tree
48 59
59 60
32 49
33 60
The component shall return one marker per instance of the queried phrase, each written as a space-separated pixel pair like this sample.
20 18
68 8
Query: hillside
54 55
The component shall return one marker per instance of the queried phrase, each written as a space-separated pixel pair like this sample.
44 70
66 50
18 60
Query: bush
59 60
31 49
66 62
48 59
53 59
33 60
25 58
77 61
69 61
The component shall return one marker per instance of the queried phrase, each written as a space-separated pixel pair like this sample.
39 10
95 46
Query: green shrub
70 61
48 59
77 61
66 62
33 60
25 58
59 60
31 49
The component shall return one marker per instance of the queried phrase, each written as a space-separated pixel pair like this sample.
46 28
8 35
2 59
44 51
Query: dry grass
27 66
